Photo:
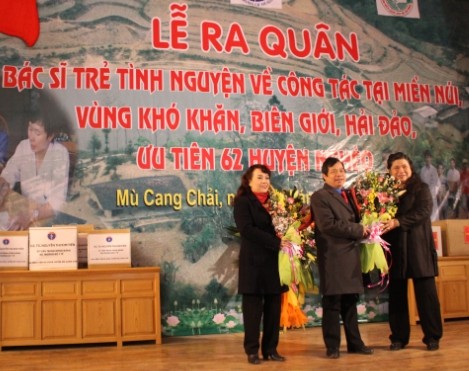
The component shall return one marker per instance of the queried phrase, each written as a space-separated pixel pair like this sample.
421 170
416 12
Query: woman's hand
389 225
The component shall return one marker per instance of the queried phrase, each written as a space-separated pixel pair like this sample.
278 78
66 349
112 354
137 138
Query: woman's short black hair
399 156
247 176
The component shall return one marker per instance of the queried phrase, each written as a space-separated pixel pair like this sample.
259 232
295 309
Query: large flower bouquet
292 221
376 196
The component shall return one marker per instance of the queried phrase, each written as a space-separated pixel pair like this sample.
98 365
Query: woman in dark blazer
259 279
413 256
338 234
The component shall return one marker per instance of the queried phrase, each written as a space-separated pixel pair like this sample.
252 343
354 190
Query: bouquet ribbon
289 264
373 251
291 270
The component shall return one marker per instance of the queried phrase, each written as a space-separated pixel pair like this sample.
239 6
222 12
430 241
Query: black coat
258 256
412 247
338 236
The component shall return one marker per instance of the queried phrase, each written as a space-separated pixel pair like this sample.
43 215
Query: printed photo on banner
398 8
149 124
272 4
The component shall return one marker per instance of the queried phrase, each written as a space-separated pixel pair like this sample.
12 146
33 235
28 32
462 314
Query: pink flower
361 309
364 192
318 312
383 197
219 318
172 321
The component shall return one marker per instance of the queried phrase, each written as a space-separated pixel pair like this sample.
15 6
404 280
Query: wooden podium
453 289
80 306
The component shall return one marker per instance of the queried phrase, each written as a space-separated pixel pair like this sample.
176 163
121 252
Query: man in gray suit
338 234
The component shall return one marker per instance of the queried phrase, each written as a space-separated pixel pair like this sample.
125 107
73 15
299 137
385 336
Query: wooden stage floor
304 350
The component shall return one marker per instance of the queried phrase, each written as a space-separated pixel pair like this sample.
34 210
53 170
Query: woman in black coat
413 256
259 279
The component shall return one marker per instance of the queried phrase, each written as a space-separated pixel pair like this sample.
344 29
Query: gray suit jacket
338 236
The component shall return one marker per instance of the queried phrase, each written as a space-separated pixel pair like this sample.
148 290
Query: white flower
231 324
361 309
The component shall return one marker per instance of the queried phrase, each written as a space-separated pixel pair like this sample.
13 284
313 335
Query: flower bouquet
290 216
376 196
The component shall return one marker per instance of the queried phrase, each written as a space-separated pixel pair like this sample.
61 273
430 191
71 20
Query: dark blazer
338 237
412 247
258 256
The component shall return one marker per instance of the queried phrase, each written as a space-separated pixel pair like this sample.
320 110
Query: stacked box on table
455 236
53 248
109 248
83 230
14 250
82 242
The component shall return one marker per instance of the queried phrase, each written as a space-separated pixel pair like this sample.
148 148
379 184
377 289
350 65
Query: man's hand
366 231
4 189
20 221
